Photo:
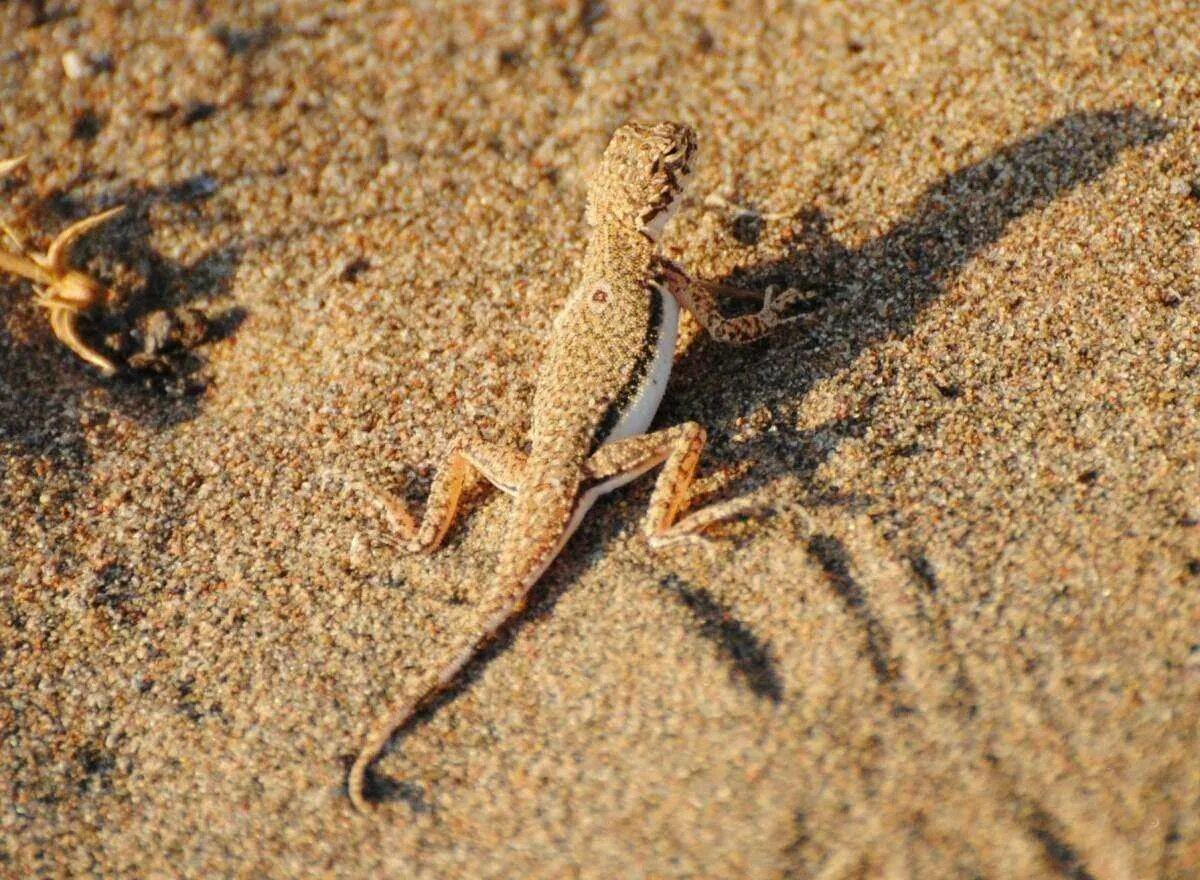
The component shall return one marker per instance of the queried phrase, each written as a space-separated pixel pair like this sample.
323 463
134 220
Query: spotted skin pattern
601 383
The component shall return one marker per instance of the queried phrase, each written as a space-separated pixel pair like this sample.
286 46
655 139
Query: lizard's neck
621 246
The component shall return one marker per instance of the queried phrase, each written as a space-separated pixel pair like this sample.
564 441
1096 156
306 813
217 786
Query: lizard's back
614 329
607 364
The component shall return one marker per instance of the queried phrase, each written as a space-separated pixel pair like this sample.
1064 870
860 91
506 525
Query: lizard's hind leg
679 447
501 466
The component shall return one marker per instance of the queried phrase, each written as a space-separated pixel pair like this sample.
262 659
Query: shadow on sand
151 330
867 295
877 291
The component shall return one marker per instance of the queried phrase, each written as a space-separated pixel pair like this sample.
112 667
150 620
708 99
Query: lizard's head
641 176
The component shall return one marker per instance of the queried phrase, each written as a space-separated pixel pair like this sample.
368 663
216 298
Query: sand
964 639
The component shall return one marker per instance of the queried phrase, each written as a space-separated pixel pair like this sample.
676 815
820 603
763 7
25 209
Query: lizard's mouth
653 226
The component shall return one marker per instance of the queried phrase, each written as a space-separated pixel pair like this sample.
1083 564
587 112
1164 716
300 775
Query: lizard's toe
676 537
780 302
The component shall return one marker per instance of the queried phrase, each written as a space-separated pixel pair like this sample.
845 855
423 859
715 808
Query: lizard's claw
398 517
693 529
676 538
780 302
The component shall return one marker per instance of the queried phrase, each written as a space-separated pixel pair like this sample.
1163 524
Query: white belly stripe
633 421
582 506
637 418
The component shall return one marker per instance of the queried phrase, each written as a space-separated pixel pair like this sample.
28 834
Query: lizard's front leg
679 447
700 298
501 466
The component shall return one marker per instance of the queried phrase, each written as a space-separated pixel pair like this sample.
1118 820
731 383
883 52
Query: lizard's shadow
877 291
866 295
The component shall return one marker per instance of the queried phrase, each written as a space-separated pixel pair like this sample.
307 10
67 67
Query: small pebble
75 66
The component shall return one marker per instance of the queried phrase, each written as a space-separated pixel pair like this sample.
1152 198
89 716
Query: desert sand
961 640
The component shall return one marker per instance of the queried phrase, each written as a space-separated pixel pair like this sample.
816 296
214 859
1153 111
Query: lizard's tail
386 727
549 522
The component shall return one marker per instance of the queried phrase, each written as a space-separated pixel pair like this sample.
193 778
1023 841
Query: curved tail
385 728
543 519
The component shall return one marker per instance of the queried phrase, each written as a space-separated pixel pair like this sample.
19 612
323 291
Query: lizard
603 377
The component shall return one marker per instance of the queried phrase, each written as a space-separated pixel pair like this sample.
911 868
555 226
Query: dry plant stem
64 292
601 382
24 267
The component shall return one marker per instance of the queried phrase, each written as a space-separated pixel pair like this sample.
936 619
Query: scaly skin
602 380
